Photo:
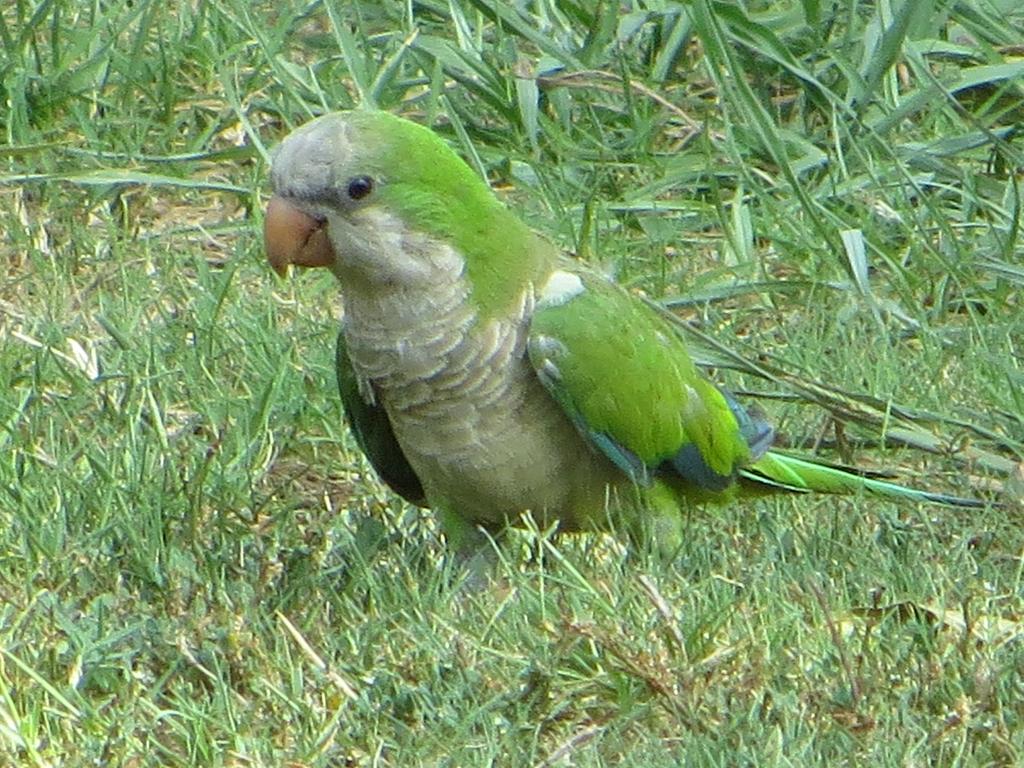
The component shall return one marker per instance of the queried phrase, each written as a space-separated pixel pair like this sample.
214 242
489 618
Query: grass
198 568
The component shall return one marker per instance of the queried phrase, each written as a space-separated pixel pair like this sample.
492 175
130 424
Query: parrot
487 375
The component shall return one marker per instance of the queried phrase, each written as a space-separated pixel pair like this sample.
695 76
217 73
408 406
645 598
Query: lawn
198 567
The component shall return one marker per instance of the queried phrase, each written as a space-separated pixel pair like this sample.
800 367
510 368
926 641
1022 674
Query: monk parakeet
484 374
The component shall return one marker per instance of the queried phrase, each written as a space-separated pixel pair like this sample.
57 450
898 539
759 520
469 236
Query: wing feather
626 380
374 435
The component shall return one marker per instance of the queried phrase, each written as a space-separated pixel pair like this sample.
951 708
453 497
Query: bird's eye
360 187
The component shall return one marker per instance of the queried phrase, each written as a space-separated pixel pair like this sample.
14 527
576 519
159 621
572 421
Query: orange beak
294 237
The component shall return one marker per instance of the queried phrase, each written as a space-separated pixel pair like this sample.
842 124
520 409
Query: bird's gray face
329 209
309 205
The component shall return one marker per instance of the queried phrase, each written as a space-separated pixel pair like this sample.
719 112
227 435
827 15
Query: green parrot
486 375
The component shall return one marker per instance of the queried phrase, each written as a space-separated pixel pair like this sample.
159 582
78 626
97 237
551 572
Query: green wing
627 382
374 435
624 377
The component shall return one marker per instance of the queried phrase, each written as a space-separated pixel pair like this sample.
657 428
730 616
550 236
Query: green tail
778 471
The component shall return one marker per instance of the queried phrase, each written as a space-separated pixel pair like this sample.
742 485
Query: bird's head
384 201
